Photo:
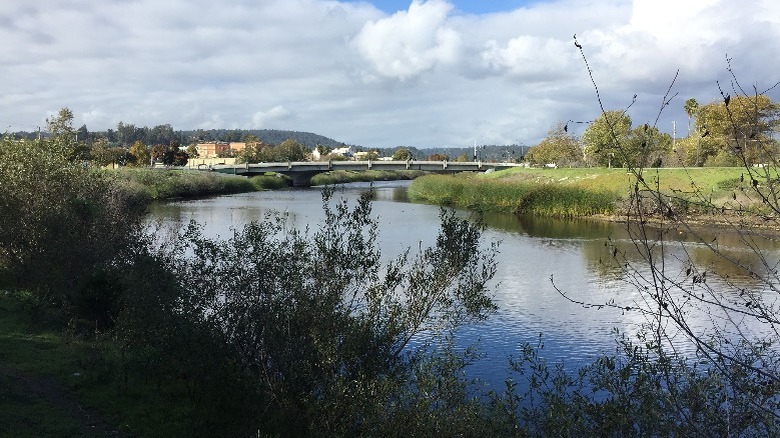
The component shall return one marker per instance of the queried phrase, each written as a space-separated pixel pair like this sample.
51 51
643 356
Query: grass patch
160 184
525 197
620 181
32 356
270 181
53 383
573 192
347 176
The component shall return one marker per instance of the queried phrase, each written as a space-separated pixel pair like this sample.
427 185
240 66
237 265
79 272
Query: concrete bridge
301 172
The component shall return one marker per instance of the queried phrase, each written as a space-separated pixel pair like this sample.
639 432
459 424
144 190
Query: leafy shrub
61 224
310 331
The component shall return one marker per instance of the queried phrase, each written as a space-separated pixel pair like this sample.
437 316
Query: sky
422 73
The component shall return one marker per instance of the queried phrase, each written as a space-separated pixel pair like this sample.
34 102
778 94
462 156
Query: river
577 254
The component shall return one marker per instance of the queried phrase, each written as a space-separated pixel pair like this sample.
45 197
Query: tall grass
347 176
573 192
172 184
490 194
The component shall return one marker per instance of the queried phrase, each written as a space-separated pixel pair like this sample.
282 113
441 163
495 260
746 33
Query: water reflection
578 255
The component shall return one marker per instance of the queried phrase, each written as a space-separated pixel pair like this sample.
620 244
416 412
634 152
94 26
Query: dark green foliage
62 224
641 391
273 181
170 184
403 154
309 331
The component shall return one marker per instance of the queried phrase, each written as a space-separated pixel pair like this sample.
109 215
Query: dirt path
28 391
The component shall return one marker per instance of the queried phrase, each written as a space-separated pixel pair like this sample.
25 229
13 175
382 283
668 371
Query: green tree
227 153
62 124
605 138
312 332
324 150
126 134
558 147
101 153
691 106
192 150
646 146
742 128
157 152
64 139
174 156
140 153
289 150
161 134
402 154
64 229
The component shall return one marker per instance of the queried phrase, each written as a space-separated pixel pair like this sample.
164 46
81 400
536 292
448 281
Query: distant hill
270 136
126 134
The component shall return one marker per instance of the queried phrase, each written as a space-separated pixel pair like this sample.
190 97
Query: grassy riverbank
346 176
55 381
575 192
158 184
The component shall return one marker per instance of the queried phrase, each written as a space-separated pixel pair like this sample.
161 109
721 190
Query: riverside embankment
588 192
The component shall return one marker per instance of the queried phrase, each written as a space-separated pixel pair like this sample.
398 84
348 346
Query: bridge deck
302 171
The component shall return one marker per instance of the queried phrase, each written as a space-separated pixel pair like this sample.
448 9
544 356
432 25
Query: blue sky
419 74
465 6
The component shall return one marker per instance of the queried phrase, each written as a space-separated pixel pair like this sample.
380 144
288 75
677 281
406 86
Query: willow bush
64 228
308 333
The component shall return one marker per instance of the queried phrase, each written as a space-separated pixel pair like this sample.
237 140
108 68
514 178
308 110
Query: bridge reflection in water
301 172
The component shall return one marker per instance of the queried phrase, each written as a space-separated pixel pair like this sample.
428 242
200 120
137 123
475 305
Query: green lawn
573 192
716 179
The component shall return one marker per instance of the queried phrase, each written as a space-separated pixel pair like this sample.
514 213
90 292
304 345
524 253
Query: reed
347 176
172 184
521 197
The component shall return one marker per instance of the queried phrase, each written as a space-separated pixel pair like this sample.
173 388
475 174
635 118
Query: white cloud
529 57
426 76
264 119
410 42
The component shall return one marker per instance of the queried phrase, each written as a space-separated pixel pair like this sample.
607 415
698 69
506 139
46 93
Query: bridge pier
301 179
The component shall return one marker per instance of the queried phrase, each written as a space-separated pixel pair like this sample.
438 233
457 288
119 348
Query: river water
533 252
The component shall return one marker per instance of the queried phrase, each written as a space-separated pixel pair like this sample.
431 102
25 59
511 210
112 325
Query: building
214 149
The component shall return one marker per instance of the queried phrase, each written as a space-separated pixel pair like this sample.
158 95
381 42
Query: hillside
270 136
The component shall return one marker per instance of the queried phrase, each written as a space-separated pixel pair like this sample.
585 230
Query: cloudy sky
378 73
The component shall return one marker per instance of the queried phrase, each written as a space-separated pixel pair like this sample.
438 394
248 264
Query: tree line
718 133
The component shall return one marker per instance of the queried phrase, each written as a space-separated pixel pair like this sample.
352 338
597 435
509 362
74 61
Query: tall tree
126 134
61 124
691 106
558 147
141 153
605 139
289 150
64 137
402 154
737 125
